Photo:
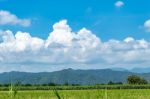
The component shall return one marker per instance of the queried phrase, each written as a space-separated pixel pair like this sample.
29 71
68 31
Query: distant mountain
84 77
118 69
141 70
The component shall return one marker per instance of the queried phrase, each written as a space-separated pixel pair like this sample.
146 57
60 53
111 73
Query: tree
66 83
143 81
134 79
111 83
52 84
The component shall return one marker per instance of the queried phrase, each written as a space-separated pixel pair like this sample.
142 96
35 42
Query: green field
80 94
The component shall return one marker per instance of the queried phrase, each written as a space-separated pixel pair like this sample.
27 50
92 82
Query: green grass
80 94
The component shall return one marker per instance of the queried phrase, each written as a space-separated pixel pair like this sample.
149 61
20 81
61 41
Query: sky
49 35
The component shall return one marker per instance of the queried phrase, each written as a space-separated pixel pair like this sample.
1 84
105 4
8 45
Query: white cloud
19 42
61 34
119 4
64 48
129 39
11 19
147 25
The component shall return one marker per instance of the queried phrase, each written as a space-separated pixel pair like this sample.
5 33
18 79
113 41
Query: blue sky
100 16
51 35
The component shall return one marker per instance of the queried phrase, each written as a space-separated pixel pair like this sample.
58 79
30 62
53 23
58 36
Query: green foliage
13 90
134 79
143 81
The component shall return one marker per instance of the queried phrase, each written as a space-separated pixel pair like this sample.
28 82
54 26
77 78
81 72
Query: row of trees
49 84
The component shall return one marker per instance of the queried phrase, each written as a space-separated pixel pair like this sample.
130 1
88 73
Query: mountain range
71 76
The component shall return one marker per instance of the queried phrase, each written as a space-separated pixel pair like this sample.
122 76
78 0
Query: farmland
80 94
76 92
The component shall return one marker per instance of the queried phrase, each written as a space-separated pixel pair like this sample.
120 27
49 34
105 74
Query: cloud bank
64 48
7 18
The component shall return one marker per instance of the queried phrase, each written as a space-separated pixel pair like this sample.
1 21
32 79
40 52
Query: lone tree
134 79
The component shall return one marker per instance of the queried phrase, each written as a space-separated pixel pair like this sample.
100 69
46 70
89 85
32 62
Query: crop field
78 94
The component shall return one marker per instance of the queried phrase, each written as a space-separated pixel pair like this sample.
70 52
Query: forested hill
84 77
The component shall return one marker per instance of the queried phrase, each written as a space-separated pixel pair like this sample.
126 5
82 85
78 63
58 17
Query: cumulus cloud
64 48
119 4
11 19
147 25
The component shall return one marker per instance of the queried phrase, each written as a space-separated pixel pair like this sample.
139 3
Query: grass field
80 94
